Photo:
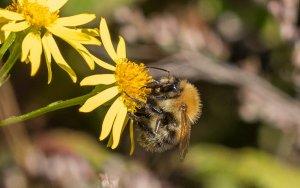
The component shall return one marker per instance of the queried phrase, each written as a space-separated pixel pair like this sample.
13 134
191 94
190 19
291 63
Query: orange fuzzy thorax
190 96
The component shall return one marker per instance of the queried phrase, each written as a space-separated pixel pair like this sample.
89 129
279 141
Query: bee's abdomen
156 142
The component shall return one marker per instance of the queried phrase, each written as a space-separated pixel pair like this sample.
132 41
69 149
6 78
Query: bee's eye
175 87
167 88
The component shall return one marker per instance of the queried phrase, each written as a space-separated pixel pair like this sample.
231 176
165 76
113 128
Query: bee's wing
184 134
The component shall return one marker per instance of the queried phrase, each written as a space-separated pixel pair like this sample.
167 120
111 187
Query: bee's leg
136 100
149 109
140 121
154 109
134 117
153 84
158 123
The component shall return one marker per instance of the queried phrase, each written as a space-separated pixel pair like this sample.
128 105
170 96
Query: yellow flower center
34 13
131 79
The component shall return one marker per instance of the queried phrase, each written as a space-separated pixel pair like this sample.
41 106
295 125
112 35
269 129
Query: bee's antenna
134 99
159 69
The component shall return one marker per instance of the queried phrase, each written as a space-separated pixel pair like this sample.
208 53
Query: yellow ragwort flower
40 20
128 79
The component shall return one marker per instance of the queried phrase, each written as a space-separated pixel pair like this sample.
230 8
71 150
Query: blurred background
244 57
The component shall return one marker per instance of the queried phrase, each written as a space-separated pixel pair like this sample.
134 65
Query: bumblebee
165 120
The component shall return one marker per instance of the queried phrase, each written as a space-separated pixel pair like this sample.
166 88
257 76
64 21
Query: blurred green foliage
98 7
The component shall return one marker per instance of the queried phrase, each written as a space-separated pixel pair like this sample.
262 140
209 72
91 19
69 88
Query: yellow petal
85 54
35 53
109 118
11 15
32 49
58 57
103 64
3 34
46 47
106 40
118 125
97 79
90 31
87 58
131 137
125 123
110 141
15 27
75 20
55 5
47 54
91 41
26 44
99 99
27 60
121 48
70 34
41 2
2 20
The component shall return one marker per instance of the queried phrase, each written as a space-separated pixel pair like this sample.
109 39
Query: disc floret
131 79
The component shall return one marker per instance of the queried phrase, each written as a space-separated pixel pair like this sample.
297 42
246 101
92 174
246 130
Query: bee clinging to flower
163 109
165 121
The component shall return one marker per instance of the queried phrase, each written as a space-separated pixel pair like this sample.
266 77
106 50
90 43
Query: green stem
13 57
49 108
8 42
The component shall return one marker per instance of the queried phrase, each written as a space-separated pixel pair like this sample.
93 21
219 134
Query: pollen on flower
34 13
131 79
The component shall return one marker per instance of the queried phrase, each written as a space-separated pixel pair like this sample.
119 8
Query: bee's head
169 84
165 87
